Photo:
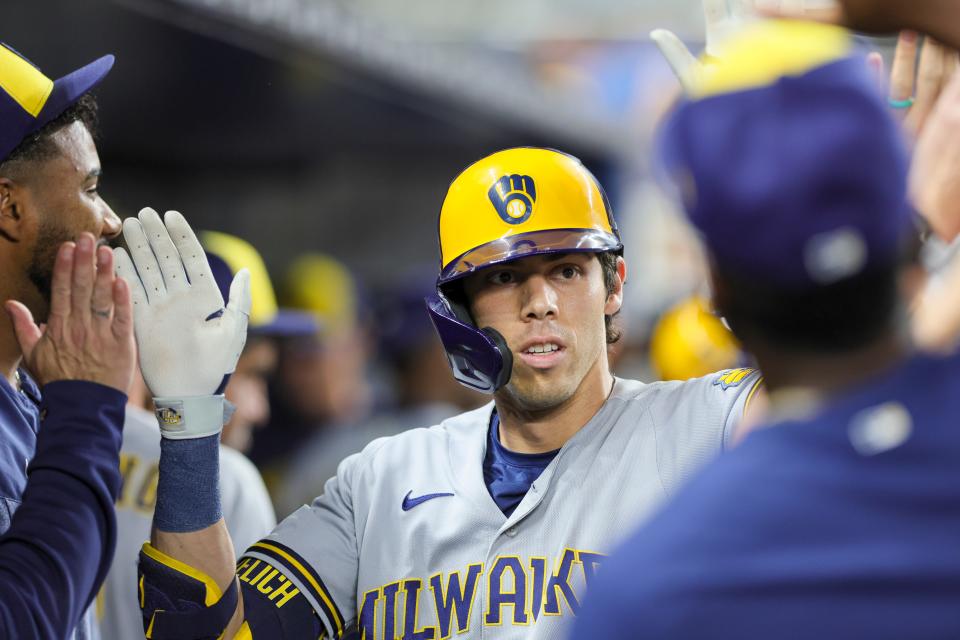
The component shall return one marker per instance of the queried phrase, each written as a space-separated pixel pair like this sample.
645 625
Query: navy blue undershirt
508 474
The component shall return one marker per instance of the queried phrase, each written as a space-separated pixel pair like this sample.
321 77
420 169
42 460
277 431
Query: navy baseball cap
29 99
226 255
788 161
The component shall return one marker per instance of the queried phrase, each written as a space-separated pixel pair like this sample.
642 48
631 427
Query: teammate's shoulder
235 463
141 433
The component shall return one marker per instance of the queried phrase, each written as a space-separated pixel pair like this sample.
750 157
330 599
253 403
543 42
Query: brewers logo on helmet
510 205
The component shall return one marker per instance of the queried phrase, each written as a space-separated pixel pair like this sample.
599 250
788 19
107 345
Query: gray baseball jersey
246 509
406 541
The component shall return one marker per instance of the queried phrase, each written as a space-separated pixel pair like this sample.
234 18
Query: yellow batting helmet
510 205
520 202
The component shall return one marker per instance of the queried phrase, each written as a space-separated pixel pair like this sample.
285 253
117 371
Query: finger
681 61
26 330
84 273
715 15
143 259
929 81
951 62
102 303
60 289
122 309
877 69
191 253
174 278
237 314
128 272
903 70
240 292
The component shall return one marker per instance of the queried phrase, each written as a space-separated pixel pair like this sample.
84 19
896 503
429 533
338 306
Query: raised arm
61 540
188 343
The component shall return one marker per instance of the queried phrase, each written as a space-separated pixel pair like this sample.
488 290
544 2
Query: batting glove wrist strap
192 417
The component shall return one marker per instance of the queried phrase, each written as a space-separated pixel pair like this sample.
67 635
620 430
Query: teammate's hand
89 330
723 17
915 89
187 340
935 170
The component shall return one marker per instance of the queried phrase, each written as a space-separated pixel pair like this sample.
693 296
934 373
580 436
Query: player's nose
539 299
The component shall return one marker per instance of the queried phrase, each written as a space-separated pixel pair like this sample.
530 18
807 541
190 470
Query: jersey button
512 531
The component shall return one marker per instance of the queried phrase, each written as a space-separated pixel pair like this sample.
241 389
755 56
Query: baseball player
840 520
246 506
58 448
492 523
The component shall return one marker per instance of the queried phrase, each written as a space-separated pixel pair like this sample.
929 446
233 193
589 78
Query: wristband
190 417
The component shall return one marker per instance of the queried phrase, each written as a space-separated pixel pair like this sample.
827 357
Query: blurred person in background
321 381
690 341
269 325
66 351
247 509
839 520
418 374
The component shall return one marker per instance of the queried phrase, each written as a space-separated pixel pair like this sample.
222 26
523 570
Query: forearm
188 527
188 523
933 17
61 541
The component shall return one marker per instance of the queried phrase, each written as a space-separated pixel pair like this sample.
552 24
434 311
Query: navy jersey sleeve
61 540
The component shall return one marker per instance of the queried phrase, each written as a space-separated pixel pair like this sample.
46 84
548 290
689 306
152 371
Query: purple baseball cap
272 321
799 181
29 99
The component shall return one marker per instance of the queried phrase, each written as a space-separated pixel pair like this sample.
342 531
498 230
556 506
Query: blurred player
425 392
247 389
321 380
246 506
689 341
493 522
58 454
840 520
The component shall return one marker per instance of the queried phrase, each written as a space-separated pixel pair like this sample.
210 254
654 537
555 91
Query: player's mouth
542 353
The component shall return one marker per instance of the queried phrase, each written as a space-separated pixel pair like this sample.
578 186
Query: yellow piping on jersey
303 572
753 392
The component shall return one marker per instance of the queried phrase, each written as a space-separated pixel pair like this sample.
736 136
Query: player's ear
12 198
615 293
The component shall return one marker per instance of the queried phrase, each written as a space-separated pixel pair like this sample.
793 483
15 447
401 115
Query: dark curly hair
38 146
608 263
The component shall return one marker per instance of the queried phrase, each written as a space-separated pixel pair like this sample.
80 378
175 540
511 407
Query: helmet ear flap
479 358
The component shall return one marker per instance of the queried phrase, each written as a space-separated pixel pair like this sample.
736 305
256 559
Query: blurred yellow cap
322 285
228 254
689 342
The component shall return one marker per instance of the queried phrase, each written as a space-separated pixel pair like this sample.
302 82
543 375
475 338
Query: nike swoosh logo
410 503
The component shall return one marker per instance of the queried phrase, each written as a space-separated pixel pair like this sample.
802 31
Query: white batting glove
188 341
722 18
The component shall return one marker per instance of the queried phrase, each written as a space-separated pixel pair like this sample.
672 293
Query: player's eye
568 272
501 277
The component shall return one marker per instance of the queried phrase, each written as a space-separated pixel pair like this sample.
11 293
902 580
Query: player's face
61 199
247 390
550 309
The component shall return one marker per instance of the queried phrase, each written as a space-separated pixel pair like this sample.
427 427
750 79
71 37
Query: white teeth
543 348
